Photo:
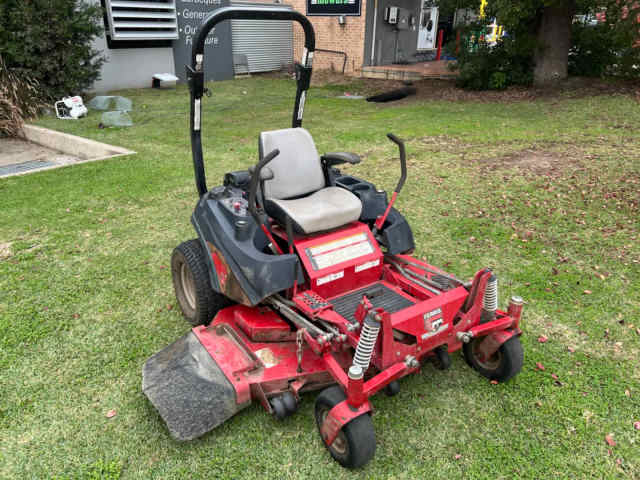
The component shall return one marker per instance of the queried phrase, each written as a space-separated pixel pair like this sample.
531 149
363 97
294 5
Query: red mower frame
351 319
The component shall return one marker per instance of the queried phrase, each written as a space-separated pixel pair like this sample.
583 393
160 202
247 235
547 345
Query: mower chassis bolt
465 337
411 361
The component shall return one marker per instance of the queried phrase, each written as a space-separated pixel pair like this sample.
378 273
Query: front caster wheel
392 389
503 365
355 444
441 360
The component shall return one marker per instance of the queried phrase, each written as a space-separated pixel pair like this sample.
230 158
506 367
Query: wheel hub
491 363
339 444
188 286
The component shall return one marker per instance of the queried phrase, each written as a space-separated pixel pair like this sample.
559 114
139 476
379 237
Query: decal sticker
330 278
431 314
433 325
303 97
221 269
338 251
367 265
196 114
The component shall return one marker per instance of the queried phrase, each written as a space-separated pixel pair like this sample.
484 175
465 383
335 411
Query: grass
545 191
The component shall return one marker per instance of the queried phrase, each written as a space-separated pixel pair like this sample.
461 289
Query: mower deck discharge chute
301 279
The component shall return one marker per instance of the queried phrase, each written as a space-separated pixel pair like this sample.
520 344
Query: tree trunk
554 42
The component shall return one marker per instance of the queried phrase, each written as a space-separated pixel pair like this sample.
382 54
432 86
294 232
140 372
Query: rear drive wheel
503 365
355 444
198 301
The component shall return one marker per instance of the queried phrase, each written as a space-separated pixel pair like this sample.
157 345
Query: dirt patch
5 250
550 164
446 90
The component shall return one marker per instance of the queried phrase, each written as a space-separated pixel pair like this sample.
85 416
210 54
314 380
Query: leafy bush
19 100
604 49
52 41
482 67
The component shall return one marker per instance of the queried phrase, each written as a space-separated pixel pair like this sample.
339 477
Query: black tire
355 444
503 365
197 300
441 359
392 389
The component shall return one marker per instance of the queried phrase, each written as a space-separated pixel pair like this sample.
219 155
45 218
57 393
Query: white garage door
268 45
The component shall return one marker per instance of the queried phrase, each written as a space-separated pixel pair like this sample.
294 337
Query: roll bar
195 71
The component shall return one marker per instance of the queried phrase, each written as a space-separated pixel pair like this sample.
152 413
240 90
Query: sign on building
333 7
218 59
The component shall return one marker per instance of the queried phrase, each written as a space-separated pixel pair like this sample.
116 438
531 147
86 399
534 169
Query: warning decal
330 278
338 251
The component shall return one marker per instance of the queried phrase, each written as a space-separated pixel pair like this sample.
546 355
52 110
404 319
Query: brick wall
348 38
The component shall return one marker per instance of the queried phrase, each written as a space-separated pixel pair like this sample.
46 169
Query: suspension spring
367 342
490 300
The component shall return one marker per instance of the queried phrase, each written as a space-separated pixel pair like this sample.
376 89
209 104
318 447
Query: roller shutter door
268 45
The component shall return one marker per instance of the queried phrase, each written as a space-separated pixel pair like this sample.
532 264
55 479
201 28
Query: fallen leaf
542 339
539 366
610 441
538 403
111 413
588 292
627 392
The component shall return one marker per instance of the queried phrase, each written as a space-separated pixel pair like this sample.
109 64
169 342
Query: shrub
52 41
482 67
19 100
604 49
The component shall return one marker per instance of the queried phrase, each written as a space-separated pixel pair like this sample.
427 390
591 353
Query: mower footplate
188 389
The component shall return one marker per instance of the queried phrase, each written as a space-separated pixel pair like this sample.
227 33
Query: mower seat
298 188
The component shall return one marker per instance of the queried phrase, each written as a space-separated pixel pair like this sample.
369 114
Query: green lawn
545 191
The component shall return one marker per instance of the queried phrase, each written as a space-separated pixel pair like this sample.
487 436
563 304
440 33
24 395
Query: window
141 20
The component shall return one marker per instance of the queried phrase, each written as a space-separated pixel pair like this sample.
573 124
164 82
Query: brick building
370 37
143 38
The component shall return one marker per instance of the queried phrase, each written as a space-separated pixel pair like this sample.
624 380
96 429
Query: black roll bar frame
195 71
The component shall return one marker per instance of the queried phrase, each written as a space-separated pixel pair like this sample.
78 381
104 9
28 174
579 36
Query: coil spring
366 344
490 300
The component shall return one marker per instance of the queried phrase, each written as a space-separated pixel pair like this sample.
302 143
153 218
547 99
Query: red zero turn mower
301 280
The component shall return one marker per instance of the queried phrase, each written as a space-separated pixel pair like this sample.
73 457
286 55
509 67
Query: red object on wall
440 38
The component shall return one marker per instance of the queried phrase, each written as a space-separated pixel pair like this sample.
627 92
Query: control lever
403 176
258 214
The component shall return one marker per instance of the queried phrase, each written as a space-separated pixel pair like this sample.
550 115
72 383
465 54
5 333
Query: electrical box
403 19
391 15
